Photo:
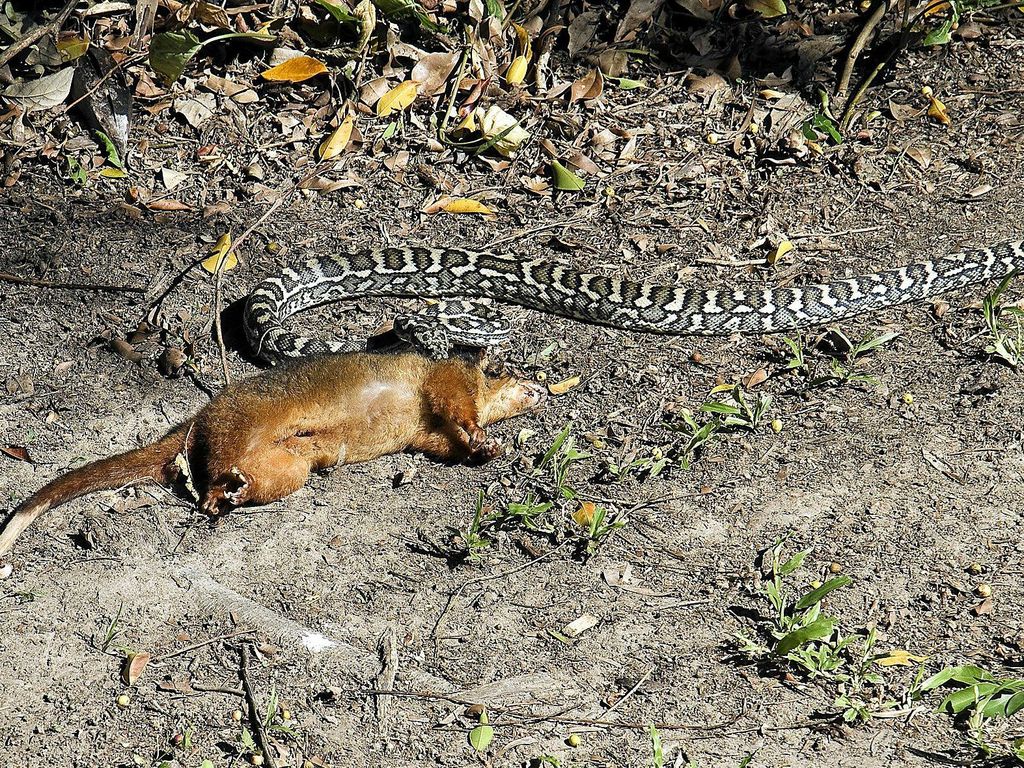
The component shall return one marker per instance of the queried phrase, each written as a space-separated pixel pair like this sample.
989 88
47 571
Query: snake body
547 286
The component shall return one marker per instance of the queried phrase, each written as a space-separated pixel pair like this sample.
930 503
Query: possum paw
477 438
491 448
228 490
241 482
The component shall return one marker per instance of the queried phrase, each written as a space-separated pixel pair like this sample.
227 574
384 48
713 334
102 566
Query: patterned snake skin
549 287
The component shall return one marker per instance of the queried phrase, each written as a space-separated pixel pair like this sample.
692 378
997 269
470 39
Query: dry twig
7 277
37 34
259 734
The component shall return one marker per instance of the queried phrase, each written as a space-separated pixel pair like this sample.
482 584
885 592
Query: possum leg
259 477
464 401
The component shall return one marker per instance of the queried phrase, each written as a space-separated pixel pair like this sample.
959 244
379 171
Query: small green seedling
658 756
474 538
799 632
987 699
1006 345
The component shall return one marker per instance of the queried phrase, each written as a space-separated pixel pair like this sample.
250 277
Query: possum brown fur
259 439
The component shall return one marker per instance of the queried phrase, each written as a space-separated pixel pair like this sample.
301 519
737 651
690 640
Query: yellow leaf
295 70
113 173
784 247
523 36
398 98
937 111
466 205
517 70
900 658
585 514
217 261
564 385
338 140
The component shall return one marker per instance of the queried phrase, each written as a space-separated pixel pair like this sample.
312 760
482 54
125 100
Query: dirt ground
902 483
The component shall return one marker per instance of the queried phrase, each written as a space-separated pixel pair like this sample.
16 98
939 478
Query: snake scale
544 285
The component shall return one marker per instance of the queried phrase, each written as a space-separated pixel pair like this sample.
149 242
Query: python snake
540 284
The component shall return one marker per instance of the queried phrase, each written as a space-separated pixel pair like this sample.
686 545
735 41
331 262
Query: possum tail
152 462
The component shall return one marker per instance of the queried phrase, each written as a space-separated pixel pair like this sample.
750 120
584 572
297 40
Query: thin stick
254 716
218 330
196 646
630 692
37 34
624 724
872 22
7 277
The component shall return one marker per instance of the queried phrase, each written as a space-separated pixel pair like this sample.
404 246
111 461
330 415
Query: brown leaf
16 452
134 666
983 608
167 205
590 86
125 350
432 71
760 376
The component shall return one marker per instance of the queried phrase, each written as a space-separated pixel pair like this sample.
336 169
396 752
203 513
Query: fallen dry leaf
467 205
167 205
584 515
295 70
580 625
338 140
900 658
937 111
134 665
220 259
16 452
564 385
432 71
398 98
590 86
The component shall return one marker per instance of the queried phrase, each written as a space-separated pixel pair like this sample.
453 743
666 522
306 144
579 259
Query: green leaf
206 764
659 754
816 595
793 563
495 9
108 146
247 740
716 407
170 53
967 674
341 13
817 630
1015 704
626 84
481 737
769 9
566 180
